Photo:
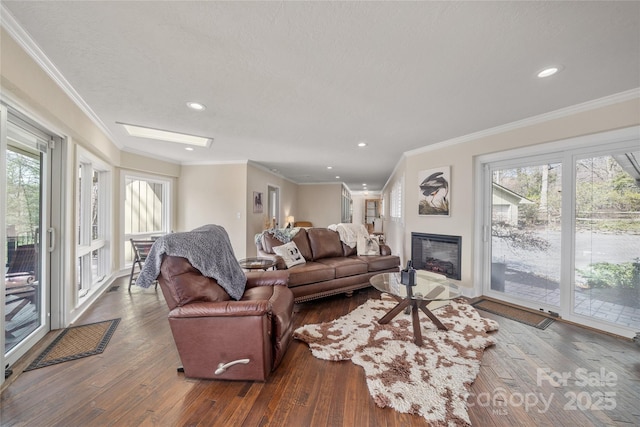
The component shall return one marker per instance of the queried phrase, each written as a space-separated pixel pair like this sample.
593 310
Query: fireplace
438 253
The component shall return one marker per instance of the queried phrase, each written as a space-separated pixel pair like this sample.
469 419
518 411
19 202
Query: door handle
52 238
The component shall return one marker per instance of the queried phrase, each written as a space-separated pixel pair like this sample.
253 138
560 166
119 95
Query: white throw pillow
290 254
368 246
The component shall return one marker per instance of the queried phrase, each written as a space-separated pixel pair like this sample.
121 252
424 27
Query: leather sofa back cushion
186 284
301 240
348 250
324 243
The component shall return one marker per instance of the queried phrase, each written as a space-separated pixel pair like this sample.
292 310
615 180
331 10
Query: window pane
23 269
144 206
95 192
607 240
525 229
79 206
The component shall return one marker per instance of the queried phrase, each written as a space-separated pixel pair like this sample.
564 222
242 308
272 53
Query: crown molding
24 40
552 115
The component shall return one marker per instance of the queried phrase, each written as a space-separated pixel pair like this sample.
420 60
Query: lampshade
290 220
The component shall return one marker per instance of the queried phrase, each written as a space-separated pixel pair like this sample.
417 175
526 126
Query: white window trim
87 245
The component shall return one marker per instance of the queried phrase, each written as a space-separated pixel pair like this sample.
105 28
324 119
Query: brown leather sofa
221 338
331 266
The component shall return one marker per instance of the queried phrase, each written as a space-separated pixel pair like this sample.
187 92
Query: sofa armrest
267 278
385 250
222 309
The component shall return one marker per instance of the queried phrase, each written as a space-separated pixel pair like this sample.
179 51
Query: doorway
273 195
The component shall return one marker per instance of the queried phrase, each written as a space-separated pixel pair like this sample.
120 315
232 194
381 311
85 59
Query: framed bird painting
435 191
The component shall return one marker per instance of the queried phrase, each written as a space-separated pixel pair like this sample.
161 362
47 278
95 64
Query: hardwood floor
134 382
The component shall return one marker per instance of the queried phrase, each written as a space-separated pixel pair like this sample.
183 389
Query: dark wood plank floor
134 382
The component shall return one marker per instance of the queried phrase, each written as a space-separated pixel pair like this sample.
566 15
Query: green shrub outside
608 275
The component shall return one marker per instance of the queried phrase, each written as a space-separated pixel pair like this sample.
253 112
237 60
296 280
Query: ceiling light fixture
164 135
362 144
337 176
329 167
189 148
549 71
196 106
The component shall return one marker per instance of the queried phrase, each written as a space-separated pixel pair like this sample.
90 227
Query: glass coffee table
429 287
257 263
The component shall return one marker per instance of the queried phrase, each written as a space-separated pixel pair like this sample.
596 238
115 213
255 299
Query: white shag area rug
432 380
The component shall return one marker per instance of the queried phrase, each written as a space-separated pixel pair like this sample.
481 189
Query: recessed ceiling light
549 71
189 148
196 106
364 184
164 135
362 144
329 167
337 176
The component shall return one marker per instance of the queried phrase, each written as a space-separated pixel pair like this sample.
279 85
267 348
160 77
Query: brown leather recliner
221 338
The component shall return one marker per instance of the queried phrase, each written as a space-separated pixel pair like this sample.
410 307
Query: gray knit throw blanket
207 248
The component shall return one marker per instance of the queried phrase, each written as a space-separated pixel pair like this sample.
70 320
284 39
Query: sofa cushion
345 267
380 263
301 240
348 250
290 254
311 272
324 243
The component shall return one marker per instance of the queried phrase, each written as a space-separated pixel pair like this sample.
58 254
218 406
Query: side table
257 263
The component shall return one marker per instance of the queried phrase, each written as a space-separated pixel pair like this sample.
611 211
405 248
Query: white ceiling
294 86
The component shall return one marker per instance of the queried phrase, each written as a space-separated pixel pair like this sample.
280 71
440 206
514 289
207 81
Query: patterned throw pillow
367 246
290 254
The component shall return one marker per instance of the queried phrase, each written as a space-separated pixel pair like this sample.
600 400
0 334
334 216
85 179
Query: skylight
164 135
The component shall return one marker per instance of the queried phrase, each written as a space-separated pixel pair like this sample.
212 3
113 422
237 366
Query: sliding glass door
562 230
25 218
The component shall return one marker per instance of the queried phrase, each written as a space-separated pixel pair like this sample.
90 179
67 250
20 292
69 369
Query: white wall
319 203
215 194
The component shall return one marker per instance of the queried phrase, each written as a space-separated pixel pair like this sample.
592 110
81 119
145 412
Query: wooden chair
141 250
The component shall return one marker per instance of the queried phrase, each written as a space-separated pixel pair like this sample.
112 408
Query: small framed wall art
257 202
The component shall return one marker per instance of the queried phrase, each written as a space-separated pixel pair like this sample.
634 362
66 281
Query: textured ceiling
294 86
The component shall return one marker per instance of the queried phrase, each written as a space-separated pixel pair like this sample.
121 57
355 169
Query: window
395 208
93 258
146 209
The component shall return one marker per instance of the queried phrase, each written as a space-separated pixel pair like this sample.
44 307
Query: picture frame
257 202
434 191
